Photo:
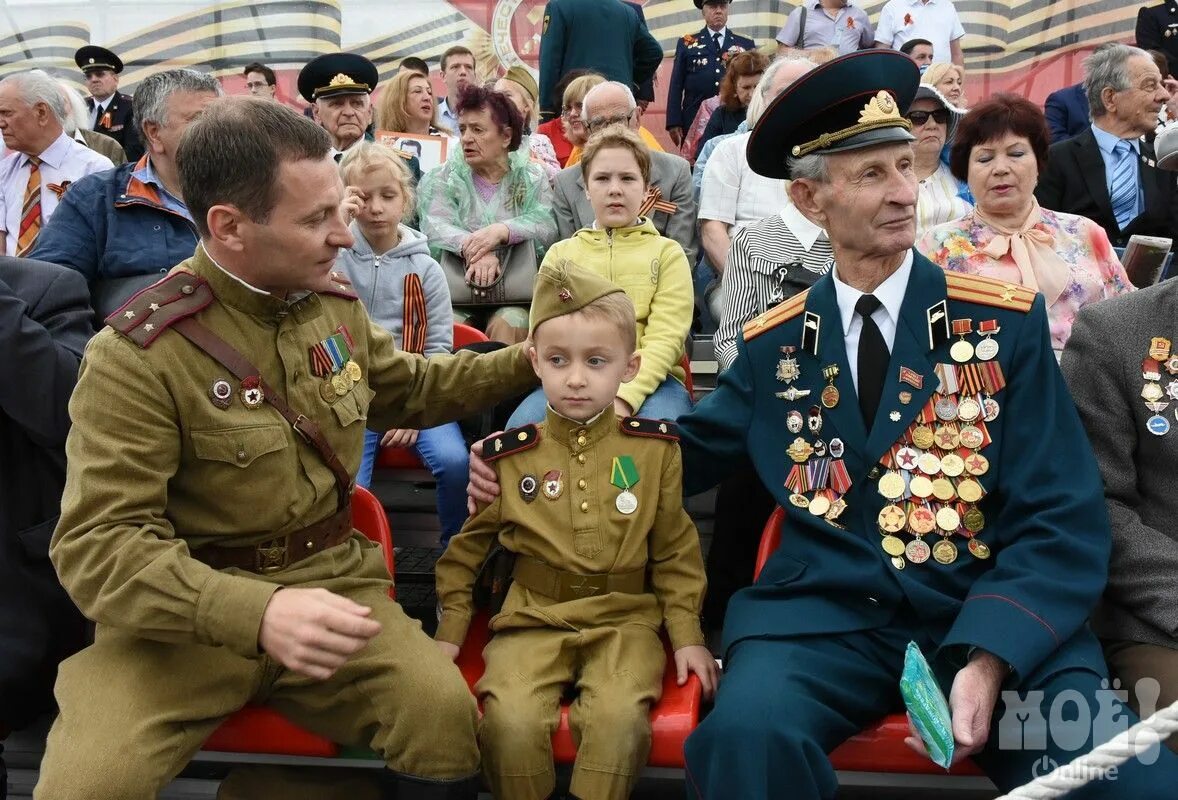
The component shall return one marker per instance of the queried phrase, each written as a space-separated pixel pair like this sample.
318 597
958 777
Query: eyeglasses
918 118
255 84
569 110
597 123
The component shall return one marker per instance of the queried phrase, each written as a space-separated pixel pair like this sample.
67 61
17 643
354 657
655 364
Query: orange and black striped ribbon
654 201
416 322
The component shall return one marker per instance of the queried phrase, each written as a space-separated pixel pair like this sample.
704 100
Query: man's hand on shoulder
484 483
313 631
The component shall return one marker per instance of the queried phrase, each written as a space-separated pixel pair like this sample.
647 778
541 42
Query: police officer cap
337 73
562 288
701 3
855 101
94 57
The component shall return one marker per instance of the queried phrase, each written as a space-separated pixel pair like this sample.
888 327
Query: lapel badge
527 488
836 448
1172 390
793 393
787 368
1158 425
252 395
938 324
811 325
911 377
905 398
1172 364
815 420
820 448
800 451
793 421
553 486
830 392
894 416
1159 348
221 393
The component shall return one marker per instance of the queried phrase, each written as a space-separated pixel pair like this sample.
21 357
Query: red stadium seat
404 457
685 362
879 748
672 718
257 729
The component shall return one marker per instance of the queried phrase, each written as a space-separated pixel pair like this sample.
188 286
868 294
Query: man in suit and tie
45 318
700 61
111 111
1107 173
1067 114
937 483
670 175
1131 429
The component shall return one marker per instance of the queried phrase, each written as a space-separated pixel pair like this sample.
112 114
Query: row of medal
331 360
931 475
1152 392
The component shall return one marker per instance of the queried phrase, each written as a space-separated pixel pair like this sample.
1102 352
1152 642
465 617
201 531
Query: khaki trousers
618 674
1132 661
134 711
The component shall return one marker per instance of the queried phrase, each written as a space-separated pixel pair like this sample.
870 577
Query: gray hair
153 92
35 86
761 95
812 167
631 103
1107 68
78 117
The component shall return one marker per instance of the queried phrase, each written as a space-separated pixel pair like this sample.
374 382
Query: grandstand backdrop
1031 47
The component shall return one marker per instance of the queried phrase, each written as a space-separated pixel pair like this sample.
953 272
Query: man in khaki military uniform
605 556
206 526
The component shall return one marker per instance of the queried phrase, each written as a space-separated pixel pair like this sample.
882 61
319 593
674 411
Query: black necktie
873 359
716 38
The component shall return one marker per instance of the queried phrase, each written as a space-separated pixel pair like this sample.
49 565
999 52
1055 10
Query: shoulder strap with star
515 440
154 309
341 287
782 312
650 428
988 292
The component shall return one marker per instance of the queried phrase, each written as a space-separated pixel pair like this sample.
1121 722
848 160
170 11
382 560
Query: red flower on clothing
908 20
850 23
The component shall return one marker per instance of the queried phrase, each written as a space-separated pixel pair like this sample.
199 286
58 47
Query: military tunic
699 68
162 462
559 504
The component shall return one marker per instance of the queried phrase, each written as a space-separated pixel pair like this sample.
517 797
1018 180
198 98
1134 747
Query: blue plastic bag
927 706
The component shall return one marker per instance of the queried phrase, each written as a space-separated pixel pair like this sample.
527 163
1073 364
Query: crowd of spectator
559 166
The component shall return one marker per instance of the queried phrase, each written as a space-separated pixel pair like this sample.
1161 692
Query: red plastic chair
672 718
879 748
404 457
685 362
258 729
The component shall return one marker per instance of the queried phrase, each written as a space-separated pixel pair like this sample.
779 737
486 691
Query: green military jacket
558 503
158 464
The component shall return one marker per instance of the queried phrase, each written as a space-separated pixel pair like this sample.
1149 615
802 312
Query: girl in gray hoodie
405 291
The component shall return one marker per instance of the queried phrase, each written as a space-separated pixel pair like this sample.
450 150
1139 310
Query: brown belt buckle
271 556
298 422
587 586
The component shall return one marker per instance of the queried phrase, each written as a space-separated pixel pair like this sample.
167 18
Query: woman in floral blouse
1000 149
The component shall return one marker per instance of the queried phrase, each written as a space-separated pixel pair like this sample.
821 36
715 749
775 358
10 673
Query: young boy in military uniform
605 556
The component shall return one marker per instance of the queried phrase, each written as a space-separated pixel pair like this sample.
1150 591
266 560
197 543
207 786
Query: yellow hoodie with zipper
653 271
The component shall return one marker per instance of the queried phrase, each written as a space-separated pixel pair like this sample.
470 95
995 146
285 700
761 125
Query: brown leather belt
279 553
534 574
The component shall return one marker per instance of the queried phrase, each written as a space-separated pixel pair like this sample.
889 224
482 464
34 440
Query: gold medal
339 383
943 490
947 438
800 451
977 464
897 562
920 486
922 437
917 551
961 351
968 410
893 545
799 500
974 520
1152 392
929 464
952 465
353 370
891 519
922 520
979 549
820 505
945 552
891 486
971 437
970 490
327 392
948 520
830 396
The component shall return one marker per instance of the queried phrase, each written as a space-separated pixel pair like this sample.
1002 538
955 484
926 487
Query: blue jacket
111 225
699 67
1045 521
1067 112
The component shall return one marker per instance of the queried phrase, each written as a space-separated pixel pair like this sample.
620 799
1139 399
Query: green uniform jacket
156 468
577 527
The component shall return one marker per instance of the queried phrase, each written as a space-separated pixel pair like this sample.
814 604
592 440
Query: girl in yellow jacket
624 246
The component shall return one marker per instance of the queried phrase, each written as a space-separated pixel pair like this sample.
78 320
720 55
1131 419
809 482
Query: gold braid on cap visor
880 112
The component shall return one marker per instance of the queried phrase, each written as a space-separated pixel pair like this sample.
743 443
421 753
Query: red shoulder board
515 440
341 287
653 428
150 312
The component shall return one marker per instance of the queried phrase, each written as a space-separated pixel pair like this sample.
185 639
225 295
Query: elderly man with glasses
671 201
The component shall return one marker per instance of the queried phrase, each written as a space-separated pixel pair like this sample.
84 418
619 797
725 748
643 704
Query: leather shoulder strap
225 354
161 305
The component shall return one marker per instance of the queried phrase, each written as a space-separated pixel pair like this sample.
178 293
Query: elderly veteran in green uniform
604 556
937 483
936 480
205 525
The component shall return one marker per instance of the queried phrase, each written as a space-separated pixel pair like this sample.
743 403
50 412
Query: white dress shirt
732 193
64 160
99 109
890 294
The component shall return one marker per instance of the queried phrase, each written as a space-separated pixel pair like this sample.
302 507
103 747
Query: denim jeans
443 451
667 402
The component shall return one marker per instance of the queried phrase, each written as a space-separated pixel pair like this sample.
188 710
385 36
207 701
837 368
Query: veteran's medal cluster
1160 359
331 360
